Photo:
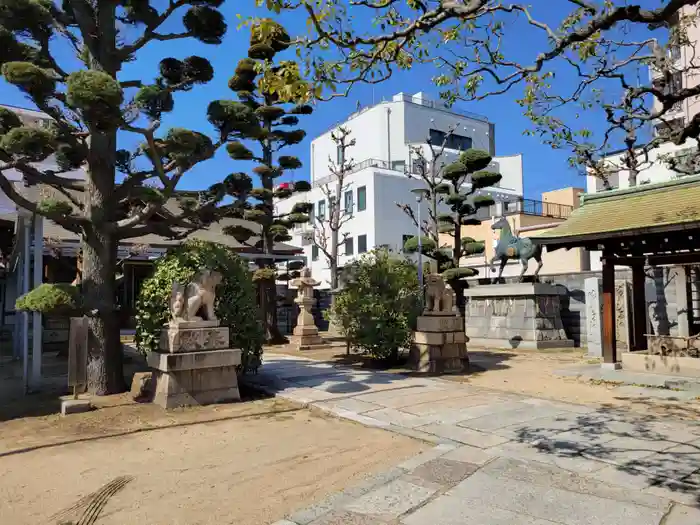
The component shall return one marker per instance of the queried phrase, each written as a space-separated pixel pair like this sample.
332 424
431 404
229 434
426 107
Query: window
418 166
348 202
398 165
454 141
361 198
404 239
339 156
321 210
361 243
348 246
314 253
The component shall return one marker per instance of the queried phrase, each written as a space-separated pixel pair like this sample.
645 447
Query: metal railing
359 166
419 101
538 208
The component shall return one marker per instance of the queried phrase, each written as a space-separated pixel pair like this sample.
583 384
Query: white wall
419 120
391 223
385 131
511 168
652 169
368 128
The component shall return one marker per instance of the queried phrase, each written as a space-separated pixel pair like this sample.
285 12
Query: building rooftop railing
527 207
412 99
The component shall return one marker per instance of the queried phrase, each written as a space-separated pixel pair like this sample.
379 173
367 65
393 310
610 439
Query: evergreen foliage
89 101
268 92
235 297
461 182
378 308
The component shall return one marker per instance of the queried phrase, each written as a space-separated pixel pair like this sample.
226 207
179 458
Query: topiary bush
235 297
52 299
378 308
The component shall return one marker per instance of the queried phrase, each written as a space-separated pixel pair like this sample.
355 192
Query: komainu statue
195 301
439 297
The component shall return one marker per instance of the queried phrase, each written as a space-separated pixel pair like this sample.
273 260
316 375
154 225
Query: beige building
527 218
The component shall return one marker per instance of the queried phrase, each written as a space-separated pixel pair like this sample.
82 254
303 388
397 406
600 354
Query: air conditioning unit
307 238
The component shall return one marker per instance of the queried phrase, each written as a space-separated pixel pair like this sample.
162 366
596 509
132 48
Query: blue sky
544 168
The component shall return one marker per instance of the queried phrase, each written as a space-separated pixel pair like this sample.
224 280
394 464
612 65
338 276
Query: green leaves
484 179
289 163
238 232
235 297
267 31
154 101
28 143
38 83
475 160
261 52
303 208
302 186
54 206
52 299
238 151
8 120
205 24
428 245
97 96
455 274
229 117
187 147
378 307
70 157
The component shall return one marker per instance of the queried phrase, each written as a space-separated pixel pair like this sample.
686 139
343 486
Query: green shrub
54 299
378 308
235 297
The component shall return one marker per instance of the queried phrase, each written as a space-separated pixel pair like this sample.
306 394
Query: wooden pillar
609 347
639 308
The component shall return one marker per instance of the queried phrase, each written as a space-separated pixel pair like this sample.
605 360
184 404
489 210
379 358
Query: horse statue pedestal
439 345
521 315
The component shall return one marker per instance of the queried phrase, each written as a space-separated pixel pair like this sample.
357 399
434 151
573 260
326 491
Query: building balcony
527 207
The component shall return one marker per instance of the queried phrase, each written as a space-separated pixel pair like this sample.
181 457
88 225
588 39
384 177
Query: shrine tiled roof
650 208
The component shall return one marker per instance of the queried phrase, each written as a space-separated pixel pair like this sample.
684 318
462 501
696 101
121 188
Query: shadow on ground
650 451
480 360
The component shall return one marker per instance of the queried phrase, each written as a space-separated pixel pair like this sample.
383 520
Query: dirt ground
528 373
244 464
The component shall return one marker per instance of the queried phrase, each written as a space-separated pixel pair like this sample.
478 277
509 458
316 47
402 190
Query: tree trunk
268 307
99 267
105 362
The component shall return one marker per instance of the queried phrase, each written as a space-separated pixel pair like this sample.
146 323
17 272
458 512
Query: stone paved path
499 458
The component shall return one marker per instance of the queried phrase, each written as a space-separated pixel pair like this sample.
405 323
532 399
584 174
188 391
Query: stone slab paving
498 458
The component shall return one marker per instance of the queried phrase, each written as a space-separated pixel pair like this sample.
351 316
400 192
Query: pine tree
89 106
271 94
461 181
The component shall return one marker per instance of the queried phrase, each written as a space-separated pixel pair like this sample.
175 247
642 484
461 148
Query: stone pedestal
439 344
194 365
523 315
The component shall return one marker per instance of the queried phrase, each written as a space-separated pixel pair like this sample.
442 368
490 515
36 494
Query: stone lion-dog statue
195 301
439 297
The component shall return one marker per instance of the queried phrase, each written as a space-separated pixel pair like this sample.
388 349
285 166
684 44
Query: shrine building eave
649 219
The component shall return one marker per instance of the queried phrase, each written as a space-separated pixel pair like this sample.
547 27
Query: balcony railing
545 209
359 166
527 207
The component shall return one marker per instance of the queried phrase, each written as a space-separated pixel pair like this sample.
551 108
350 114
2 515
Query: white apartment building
384 135
654 167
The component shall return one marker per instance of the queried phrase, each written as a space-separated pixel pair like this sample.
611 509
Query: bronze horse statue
511 247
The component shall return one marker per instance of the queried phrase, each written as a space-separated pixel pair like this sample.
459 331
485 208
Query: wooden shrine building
650 225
